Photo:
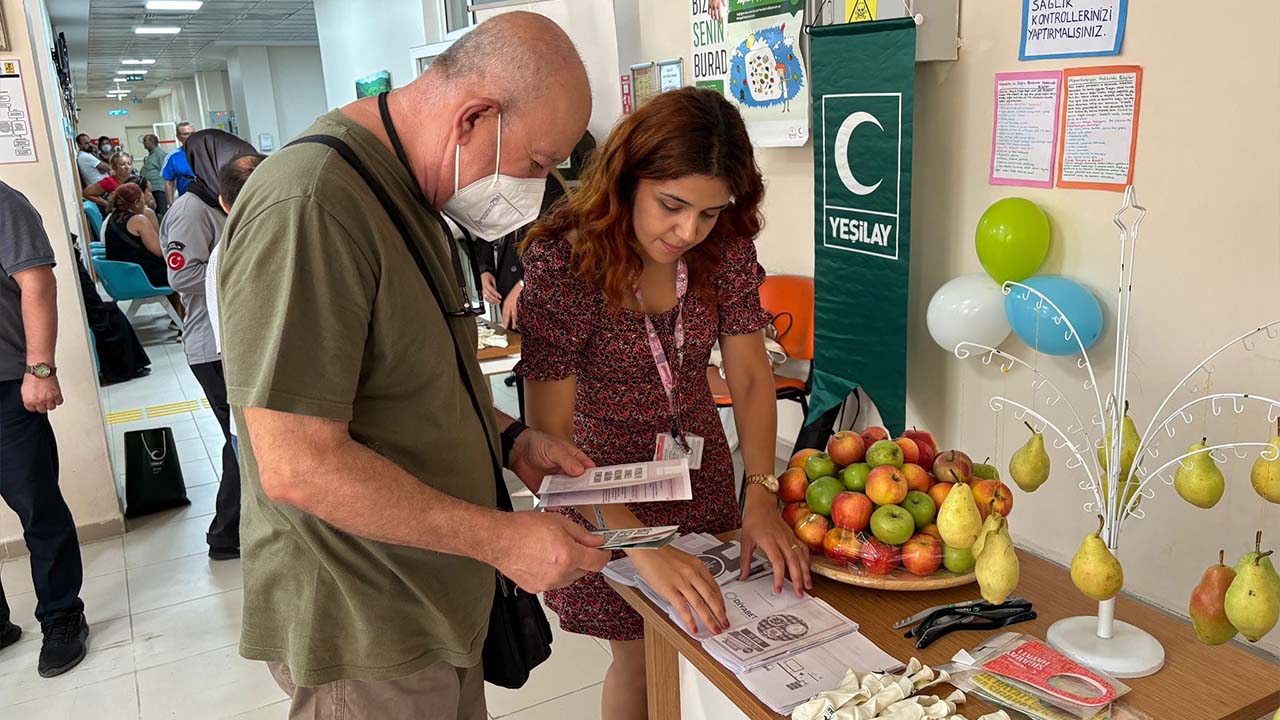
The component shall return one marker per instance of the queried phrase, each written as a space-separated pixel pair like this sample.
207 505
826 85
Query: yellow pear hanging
1094 570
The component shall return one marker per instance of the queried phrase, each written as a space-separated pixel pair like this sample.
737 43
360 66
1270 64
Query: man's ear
470 114
226 208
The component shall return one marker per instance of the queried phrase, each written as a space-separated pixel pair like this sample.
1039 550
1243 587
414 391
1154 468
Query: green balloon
1012 239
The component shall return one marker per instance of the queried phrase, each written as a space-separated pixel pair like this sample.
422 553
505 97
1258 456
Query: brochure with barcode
648 482
599 478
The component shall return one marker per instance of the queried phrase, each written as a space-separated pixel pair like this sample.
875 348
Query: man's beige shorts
441 692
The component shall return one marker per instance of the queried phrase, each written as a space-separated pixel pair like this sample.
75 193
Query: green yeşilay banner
863 96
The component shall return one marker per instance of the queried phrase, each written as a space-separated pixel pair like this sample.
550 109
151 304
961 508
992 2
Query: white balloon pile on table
888 696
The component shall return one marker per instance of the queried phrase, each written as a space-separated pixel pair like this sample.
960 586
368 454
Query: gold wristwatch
769 482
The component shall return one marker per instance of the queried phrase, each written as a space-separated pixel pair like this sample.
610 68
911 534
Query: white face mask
492 207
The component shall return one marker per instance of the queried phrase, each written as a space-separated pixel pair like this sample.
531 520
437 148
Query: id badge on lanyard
677 444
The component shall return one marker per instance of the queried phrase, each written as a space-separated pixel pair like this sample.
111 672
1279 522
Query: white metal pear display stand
1103 642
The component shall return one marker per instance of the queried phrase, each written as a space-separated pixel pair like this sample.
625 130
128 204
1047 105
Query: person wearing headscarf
191 229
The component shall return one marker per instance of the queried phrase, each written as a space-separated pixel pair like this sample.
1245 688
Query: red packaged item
1037 665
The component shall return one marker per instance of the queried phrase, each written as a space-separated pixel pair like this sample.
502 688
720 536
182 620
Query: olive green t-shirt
324 314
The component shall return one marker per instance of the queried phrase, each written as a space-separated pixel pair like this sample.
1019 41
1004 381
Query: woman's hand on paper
762 527
682 580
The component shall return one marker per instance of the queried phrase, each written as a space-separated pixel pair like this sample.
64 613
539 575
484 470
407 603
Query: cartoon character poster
767 77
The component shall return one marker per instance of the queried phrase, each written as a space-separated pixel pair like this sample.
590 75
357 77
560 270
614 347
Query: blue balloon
1039 325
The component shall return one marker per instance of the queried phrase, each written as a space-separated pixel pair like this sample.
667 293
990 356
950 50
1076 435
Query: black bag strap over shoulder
397 219
519 636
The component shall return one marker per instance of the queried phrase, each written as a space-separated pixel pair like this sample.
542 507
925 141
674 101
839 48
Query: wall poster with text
767 77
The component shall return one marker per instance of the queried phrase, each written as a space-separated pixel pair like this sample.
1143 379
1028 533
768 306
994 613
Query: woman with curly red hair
628 285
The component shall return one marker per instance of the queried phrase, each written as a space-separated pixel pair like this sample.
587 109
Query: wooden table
1198 682
500 360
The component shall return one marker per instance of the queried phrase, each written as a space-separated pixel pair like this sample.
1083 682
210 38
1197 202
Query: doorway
132 141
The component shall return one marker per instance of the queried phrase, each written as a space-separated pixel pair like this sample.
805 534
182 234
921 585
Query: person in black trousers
29 390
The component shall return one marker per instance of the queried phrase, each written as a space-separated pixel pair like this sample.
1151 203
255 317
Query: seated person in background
131 236
99 193
629 283
92 168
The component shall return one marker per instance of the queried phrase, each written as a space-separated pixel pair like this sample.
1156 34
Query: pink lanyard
665 373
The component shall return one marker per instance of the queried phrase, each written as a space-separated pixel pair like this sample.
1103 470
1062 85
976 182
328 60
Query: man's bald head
517 58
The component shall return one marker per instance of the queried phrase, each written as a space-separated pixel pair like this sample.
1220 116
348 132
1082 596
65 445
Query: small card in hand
638 538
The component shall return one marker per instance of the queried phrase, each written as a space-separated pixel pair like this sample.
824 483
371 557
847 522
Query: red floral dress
568 328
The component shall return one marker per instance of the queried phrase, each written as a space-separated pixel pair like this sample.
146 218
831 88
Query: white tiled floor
165 621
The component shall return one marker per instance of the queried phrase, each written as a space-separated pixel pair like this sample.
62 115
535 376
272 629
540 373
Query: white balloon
969 308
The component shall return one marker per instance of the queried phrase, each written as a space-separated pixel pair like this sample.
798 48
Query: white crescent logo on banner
847 127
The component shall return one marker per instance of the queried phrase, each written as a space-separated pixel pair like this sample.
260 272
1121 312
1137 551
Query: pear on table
1029 466
1094 570
1199 480
997 569
1208 605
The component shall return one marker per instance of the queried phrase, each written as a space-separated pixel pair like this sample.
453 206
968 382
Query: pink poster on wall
1024 132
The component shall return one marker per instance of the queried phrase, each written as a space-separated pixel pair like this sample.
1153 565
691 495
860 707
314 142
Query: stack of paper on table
788 672
657 481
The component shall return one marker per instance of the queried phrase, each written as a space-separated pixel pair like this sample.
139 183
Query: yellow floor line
124 416
173 408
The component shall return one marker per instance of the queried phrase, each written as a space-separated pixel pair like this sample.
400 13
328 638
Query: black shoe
9 635
64 644
224 553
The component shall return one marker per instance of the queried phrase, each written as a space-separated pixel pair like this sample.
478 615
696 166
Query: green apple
884 452
956 560
921 506
985 471
854 477
892 525
822 493
819 465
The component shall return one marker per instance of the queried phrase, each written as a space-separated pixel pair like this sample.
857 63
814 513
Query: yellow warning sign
861 11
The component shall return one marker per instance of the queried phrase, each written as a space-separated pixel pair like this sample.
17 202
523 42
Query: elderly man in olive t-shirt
369 533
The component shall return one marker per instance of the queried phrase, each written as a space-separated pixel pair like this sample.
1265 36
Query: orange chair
789 299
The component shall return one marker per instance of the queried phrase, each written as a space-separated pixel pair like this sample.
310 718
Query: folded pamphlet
786 684
656 481
638 538
779 634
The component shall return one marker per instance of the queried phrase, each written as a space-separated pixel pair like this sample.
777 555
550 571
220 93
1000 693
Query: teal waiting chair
127 281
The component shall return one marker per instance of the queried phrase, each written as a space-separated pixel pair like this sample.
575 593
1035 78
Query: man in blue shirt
177 171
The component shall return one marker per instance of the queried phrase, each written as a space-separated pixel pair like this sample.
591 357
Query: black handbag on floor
519 637
153 473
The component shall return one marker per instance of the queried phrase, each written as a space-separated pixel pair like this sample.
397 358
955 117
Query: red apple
927 454
846 448
841 545
953 466
987 491
886 485
798 460
917 478
938 491
922 554
923 437
878 558
910 450
932 529
812 529
851 510
793 485
793 512
873 434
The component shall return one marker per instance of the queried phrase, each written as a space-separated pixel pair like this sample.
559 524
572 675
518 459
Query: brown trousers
441 692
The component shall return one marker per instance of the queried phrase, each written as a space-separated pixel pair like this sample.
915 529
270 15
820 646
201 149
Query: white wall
298 77
358 39
254 94
1207 269
51 186
94 121
213 91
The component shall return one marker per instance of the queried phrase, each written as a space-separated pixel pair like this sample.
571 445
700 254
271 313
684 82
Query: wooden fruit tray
899 580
